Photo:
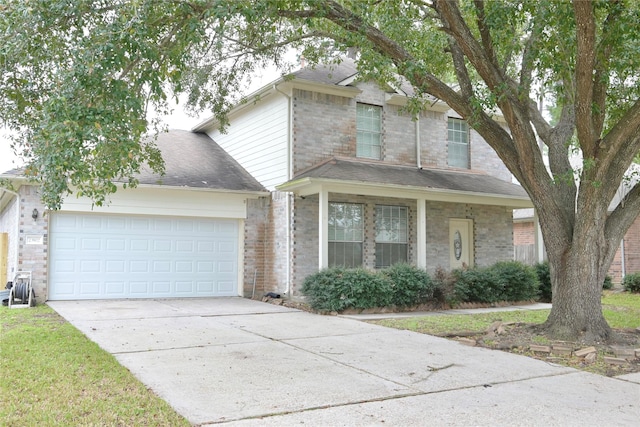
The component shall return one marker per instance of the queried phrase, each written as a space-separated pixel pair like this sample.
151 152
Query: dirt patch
620 357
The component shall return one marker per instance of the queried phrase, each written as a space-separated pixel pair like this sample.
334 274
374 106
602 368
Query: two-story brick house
316 170
356 181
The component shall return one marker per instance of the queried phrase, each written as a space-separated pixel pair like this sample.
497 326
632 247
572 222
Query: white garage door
96 256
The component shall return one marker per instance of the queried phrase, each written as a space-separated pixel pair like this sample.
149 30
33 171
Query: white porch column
421 252
539 243
323 229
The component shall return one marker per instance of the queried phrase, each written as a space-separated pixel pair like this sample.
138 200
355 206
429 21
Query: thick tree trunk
578 270
576 312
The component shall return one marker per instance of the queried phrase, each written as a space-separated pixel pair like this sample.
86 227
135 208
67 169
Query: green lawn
52 375
622 310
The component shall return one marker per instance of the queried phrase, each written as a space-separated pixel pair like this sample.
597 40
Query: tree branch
485 34
601 75
585 61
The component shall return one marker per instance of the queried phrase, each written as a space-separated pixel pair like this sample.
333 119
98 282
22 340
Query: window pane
458 142
346 234
345 254
388 254
391 224
369 125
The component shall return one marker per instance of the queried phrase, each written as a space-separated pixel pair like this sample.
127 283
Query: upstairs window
369 127
346 235
392 233
458 139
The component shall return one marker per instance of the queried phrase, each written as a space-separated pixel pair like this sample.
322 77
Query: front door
460 243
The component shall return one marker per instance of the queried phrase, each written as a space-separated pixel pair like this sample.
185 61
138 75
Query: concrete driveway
240 362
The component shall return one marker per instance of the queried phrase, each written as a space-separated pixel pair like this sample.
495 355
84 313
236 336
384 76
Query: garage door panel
102 256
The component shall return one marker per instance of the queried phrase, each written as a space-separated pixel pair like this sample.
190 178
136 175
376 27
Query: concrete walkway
238 362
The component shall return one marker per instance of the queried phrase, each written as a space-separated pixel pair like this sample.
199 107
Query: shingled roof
373 173
195 160
335 74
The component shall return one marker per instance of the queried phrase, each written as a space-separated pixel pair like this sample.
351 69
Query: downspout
289 176
622 260
418 149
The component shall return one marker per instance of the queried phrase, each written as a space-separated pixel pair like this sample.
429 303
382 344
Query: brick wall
523 233
433 139
492 232
31 237
324 126
305 240
265 245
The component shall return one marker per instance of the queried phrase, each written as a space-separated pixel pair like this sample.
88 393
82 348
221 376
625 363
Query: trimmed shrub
631 282
544 277
503 281
337 289
518 281
477 285
410 285
608 282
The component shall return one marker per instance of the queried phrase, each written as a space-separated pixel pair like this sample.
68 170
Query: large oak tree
79 76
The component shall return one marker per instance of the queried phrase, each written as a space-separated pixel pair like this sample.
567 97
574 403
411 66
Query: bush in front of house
409 285
503 281
631 282
518 281
476 285
544 277
337 289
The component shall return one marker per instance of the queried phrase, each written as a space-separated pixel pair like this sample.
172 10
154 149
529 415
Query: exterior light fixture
34 214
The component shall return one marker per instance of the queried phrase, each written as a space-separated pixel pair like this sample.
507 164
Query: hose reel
21 293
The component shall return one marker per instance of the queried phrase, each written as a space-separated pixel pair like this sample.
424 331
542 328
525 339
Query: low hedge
409 285
402 285
338 289
631 282
503 281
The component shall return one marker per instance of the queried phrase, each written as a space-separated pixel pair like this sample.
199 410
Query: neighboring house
340 174
626 260
179 235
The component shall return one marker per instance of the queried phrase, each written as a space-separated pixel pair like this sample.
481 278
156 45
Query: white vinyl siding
369 131
257 139
458 143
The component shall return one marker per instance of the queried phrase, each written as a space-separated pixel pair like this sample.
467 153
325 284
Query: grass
438 325
51 375
622 310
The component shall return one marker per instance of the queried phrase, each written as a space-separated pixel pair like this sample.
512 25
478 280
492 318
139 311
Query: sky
178 120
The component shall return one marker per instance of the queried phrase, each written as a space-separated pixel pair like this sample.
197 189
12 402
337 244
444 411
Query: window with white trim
346 235
392 235
369 131
458 140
